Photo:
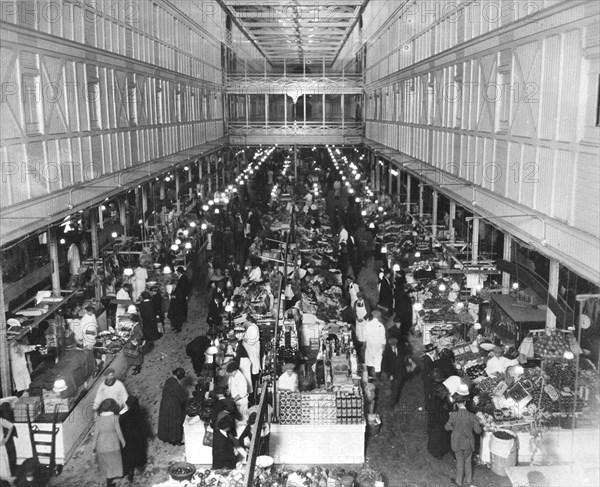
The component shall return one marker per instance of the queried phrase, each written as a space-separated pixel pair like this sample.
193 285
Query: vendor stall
513 318
73 424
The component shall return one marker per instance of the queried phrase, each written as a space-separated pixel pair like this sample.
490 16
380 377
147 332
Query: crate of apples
553 345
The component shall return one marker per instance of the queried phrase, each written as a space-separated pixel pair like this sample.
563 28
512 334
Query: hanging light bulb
140 221
103 208
193 224
477 326
204 207
114 235
188 245
442 287
204 226
363 213
217 211
167 179
167 270
177 241
211 202
217 201
417 254
62 241
515 285
351 191
383 249
396 268
174 247
128 271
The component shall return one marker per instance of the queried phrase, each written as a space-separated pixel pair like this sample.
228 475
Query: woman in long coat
109 440
178 306
135 432
171 413
437 417
149 321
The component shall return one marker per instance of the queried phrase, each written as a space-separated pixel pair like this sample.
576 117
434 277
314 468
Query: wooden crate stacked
290 410
318 408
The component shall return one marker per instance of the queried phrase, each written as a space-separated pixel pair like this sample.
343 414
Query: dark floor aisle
399 451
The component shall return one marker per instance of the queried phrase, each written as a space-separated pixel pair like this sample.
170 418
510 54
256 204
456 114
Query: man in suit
394 365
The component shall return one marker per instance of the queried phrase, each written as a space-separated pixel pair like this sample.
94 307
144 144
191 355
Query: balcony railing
346 129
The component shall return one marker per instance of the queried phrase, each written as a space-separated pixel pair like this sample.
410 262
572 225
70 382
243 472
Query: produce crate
33 403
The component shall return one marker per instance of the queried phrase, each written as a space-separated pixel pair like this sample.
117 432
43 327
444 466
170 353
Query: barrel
503 452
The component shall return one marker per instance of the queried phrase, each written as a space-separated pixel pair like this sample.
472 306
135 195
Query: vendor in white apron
238 389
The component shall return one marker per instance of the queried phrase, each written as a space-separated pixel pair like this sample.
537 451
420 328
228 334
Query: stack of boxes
289 407
318 408
349 407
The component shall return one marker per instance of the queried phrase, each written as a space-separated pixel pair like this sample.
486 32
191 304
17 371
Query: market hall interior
466 133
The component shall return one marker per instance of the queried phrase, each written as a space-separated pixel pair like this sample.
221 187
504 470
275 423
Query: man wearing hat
463 424
238 387
111 388
428 359
288 381
497 363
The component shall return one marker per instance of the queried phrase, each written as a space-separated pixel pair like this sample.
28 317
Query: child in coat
463 424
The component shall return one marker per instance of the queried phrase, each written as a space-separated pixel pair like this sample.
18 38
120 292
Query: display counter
72 426
195 451
306 444
557 442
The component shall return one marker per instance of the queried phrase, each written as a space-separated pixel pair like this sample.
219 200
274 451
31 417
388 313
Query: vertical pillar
209 177
54 264
4 361
95 252
163 190
342 109
223 173
200 180
475 240
408 190
323 101
399 187
434 213
421 188
285 112
507 256
176 193
191 191
123 213
372 164
390 179
295 171
451 218
553 290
